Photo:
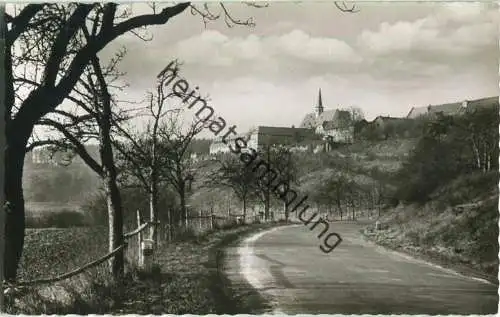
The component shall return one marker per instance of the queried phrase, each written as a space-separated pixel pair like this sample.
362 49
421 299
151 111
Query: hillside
458 227
45 183
433 195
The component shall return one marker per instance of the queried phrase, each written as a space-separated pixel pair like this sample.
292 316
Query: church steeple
319 107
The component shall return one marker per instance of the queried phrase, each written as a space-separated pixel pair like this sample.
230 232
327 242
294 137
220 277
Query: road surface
287 268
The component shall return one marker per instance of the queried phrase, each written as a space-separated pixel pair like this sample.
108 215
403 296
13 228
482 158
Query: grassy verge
51 252
463 237
189 279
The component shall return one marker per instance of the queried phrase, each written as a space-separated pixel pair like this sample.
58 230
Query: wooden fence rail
138 231
87 266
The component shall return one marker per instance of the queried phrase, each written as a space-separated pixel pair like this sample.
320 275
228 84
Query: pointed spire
319 107
320 102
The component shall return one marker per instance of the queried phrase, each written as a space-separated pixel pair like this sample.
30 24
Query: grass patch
51 252
191 280
463 237
187 279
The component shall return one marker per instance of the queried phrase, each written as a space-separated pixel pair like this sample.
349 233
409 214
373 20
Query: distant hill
200 146
45 181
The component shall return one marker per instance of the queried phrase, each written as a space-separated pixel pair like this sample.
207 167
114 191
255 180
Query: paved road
287 268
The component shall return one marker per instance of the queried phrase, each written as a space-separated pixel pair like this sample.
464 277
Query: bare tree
282 162
481 132
263 188
356 114
178 169
335 191
95 123
139 153
236 176
49 37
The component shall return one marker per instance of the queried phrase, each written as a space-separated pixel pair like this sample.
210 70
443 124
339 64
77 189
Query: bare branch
344 7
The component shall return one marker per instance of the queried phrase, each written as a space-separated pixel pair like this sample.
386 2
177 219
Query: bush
466 188
445 151
133 199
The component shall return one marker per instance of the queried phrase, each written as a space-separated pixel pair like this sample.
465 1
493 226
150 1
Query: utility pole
3 30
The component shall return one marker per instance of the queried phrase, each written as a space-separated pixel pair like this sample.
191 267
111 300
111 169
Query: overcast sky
384 59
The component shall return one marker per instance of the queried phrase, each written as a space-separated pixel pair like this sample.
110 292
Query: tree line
52 56
450 146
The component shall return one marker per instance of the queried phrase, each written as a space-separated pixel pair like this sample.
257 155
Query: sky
383 59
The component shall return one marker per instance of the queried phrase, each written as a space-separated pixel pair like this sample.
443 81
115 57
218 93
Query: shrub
445 151
466 188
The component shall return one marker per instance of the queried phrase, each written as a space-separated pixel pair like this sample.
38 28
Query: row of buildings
334 126
319 130
453 109
322 129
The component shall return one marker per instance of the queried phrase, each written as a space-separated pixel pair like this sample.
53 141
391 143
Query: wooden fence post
139 239
211 218
200 220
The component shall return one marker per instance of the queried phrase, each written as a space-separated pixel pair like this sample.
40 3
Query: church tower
318 110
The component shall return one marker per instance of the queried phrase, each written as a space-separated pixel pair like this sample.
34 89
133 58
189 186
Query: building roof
417 111
330 119
284 131
483 103
454 107
310 120
341 120
447 108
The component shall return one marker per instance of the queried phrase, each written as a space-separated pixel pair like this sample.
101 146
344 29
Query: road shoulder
430 258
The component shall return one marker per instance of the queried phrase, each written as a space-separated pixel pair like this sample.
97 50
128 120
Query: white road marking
249 263
411 259
375 270
254 269
444 275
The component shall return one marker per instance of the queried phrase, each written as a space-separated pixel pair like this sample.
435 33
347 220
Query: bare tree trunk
170 224
153 211
339 206
485 156
115 215
113 198
285 207
153 190
489 162
476 154
15 218
184 211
